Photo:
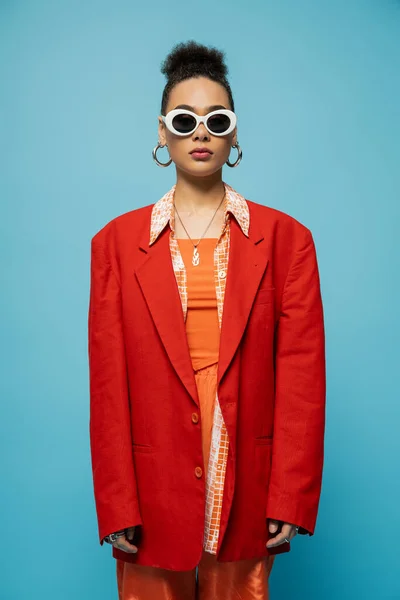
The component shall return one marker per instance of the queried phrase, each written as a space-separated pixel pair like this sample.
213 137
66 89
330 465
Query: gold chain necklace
196 255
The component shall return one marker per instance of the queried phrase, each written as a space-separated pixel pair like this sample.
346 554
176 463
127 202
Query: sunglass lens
184 123
219 123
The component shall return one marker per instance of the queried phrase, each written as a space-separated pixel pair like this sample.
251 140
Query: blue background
316 86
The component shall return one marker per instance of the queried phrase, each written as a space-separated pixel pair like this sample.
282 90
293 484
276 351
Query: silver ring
286 540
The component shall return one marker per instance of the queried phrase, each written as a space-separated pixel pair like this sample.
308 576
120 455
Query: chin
200 168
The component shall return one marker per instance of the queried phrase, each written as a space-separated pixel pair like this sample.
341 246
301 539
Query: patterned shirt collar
162 212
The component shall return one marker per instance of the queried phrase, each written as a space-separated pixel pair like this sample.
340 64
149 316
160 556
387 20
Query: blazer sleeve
110 429
300 395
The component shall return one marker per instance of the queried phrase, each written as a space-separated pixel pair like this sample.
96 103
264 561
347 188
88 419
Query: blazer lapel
246 266
157 280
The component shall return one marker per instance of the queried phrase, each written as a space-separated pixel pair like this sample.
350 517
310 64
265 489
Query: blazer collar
162 211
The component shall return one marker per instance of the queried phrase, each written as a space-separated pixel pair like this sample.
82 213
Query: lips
201 151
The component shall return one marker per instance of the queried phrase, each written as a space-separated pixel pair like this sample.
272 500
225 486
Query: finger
283 537
273 525
130 533
122 544
280 538
126 547
276 541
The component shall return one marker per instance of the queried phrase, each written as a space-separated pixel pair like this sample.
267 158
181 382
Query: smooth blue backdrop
317 87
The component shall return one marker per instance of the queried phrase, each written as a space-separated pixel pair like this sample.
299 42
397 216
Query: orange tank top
202 328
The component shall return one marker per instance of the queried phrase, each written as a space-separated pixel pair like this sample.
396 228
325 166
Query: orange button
198 471
195 417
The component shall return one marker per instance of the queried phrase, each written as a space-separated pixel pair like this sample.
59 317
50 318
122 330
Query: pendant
196 257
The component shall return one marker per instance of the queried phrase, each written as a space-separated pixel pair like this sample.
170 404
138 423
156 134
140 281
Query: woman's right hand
123 542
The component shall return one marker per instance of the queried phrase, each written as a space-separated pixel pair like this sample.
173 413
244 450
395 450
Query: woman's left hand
288 531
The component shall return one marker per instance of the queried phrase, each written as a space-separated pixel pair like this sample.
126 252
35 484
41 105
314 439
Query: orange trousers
210 580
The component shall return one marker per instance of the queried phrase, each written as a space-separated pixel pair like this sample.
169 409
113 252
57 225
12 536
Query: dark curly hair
190 59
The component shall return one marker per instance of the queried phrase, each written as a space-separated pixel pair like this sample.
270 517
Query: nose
201 133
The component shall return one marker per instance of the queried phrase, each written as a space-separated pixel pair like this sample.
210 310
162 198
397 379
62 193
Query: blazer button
195 417
198 471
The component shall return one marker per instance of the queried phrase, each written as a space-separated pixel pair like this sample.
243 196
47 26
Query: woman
207 366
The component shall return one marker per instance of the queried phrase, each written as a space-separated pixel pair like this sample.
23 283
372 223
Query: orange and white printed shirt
163 213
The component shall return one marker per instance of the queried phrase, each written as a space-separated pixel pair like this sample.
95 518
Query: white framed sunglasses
184 122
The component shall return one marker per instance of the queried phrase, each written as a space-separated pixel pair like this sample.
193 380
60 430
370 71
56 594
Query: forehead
200 94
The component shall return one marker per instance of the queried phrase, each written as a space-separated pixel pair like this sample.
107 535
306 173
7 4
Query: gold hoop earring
239 158
154 153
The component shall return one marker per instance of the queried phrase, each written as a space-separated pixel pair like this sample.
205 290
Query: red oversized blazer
145 446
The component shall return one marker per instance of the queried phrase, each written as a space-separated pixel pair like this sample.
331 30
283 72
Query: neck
194 194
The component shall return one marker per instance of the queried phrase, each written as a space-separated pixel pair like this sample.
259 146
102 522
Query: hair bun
190 59
194 59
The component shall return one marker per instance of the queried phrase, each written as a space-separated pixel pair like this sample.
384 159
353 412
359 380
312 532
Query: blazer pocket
264 439
142 447
265 295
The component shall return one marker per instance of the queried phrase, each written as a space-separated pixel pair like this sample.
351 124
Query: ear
234 136
161 131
